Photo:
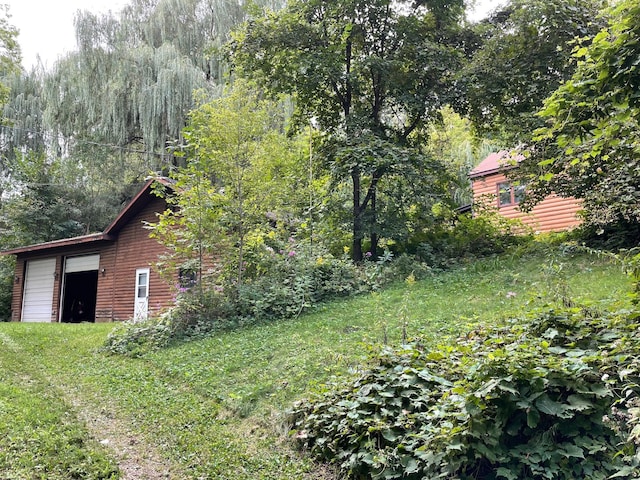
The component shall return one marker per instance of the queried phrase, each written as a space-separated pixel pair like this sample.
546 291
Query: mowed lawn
214 407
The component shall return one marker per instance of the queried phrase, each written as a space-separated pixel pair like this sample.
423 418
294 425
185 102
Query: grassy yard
212 408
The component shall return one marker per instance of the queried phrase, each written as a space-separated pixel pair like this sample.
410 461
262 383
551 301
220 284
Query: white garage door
84 263
38 290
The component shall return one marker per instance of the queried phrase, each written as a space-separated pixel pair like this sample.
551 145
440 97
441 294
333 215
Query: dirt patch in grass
136 458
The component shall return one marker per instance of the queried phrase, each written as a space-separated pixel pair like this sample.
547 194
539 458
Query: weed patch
532 399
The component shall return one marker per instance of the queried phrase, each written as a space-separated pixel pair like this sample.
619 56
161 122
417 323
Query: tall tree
10 58
131 81
368 73
114 110
242 175
589 148
9 65
525 55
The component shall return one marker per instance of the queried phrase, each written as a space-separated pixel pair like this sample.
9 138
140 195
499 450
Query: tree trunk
374 227
356 250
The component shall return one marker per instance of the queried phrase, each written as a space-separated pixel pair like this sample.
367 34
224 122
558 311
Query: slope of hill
212 407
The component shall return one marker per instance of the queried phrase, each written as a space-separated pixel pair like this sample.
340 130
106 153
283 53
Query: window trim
515 191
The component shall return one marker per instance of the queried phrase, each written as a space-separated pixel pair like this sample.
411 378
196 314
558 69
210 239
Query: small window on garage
187 278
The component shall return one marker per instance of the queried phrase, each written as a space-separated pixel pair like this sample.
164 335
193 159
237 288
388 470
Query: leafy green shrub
486 233
533 399
299 276
194 313
278 285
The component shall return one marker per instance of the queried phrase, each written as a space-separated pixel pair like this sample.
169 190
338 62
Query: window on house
510 194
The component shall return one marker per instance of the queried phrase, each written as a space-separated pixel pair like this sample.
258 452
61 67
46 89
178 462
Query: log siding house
103 277
491 186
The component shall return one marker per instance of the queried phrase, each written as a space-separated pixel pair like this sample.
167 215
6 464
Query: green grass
213 407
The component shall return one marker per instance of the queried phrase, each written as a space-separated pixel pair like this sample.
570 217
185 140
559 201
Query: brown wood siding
106 279
554 213
135 249
18 288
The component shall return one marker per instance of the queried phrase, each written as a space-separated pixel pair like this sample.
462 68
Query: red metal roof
492 164
110 233
496 162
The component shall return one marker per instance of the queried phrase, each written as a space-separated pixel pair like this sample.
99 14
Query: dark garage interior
79 301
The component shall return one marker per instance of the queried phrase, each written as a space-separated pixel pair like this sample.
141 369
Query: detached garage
103 277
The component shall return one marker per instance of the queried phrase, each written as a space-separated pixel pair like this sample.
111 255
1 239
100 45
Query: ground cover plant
548 397
213 407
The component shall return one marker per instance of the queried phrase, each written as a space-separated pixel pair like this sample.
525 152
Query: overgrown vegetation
285 278
548 396
212 406
554 393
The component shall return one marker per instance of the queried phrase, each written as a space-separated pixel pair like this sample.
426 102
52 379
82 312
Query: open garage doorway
80 289
79 301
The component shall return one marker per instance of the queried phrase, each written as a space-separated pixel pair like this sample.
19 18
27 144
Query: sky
46 26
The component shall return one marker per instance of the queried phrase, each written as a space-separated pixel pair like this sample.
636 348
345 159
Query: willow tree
131 81
9 68
114 109
9 65
369 73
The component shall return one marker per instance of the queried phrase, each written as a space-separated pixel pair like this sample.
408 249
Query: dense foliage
589 148
546 397
370 75
524 54
286 277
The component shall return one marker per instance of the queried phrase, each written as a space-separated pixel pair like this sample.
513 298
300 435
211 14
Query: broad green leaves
536 399
589 147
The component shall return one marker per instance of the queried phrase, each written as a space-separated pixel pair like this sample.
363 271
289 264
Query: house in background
101 277
491 186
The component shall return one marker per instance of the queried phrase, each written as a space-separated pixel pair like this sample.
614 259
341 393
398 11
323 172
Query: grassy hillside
212 408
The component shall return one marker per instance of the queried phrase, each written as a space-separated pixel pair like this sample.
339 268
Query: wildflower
319 261
368 254
292 253
511 294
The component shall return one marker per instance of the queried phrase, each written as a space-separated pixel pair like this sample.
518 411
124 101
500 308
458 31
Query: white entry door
141 307
37 298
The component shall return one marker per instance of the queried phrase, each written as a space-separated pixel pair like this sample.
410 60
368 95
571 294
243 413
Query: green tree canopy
243 175
525 55
590 147
370 74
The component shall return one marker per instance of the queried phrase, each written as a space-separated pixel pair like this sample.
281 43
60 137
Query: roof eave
124 215
62 243
493 171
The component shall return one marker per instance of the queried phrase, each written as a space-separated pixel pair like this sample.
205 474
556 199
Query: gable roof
493 163
141 199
